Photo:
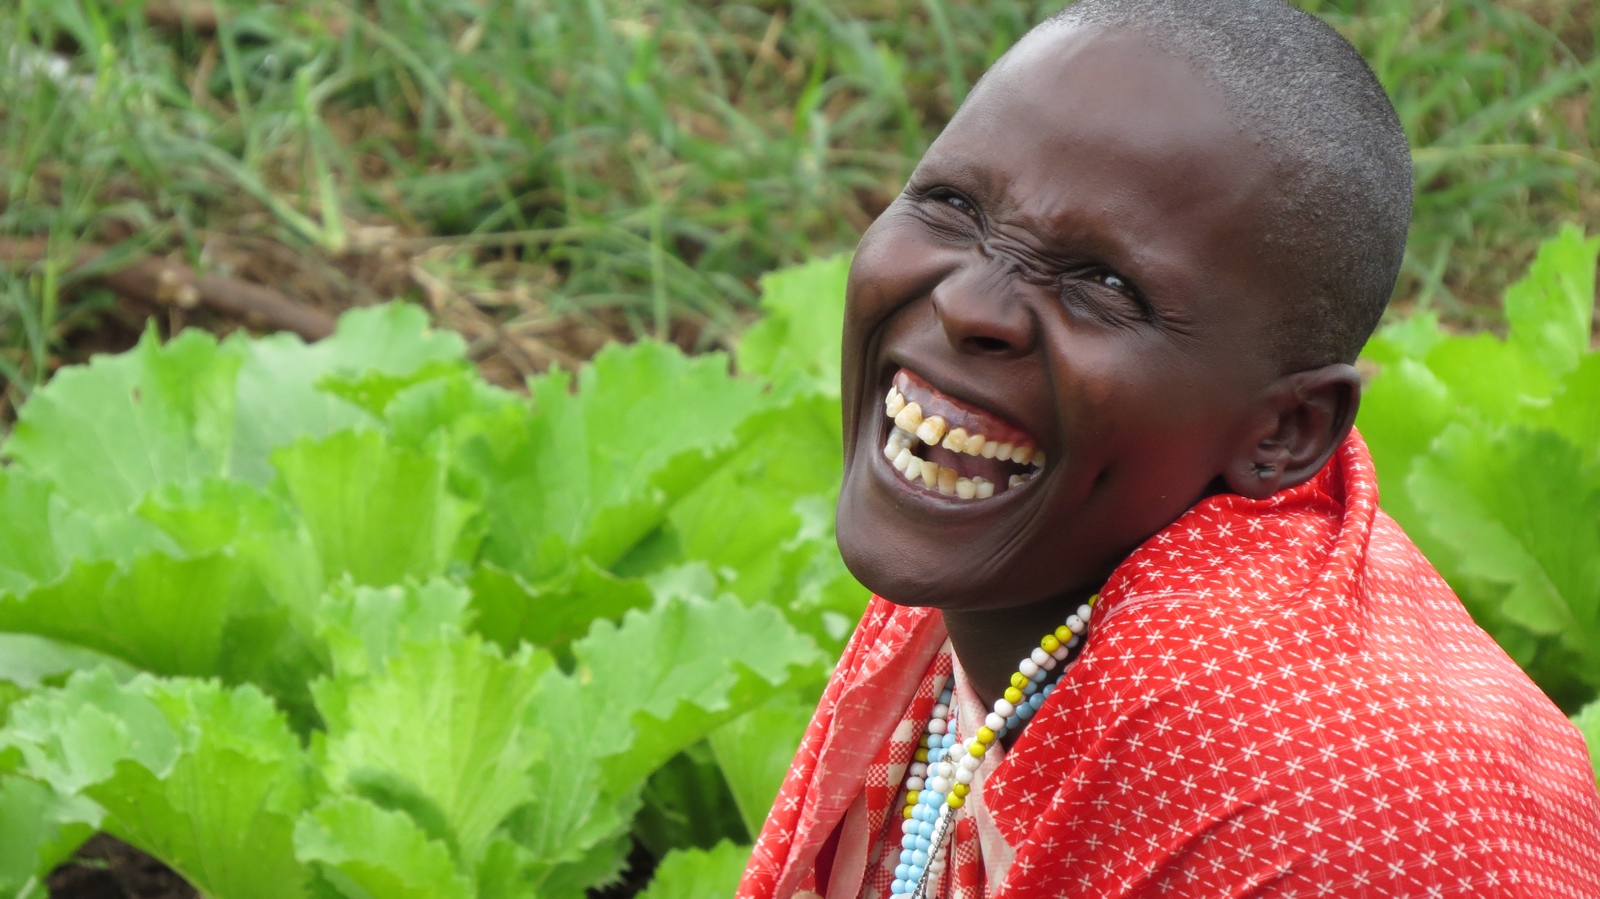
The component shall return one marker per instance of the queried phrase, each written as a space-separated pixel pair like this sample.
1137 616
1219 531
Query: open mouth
946 446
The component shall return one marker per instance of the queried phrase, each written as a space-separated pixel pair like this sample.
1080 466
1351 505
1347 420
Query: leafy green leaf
797 345
687 804
598 466
1575 413
1522 509
278 397
208 780
377 512
756 749
449 719
366 851
108 433
509 610
365 626
42 829
160 613
1551 309
30 661
679 671
699 873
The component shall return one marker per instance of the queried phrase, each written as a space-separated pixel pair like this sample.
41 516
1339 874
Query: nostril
983 344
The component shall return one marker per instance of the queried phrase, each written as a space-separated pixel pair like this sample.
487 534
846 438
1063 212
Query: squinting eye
1114 282
958 202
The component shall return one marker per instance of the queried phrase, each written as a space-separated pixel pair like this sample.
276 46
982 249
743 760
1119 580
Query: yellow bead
985 735
1063 634
959 789
1013 695
922 754
1093 600
955 801
910 809
1018 679
1049 643
911 797
977 750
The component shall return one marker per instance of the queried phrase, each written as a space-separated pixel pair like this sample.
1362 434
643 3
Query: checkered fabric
1278 698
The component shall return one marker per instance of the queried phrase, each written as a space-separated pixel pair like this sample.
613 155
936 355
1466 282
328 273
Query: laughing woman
1141 628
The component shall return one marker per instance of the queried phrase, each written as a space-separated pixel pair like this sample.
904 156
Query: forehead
1100 135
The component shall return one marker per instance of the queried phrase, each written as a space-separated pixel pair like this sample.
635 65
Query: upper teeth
911 426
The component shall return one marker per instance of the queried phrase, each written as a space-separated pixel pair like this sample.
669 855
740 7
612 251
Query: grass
548 175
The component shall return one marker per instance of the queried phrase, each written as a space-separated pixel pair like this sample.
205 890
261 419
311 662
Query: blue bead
1025 711
1028 688
1040 675
935 755
1036 700
919 859
1013 721
925 829
949 740
902 872
907 857
909 841
916 874
899 888
924 844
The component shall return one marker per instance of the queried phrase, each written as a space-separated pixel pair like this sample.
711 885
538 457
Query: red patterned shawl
1278 698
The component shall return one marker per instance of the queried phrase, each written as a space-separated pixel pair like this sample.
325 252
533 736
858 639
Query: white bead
941 711
1039 656
937 726
994 721
1049 663
940 785
1075 640
1062 652
1004 709
970 761
915 783
1075 624
1084 612
944 769
919 769
1027 667
963 775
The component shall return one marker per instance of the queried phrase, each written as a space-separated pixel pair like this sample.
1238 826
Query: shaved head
1337 230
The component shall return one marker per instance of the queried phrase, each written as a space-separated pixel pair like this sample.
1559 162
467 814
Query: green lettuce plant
1488 453
346 620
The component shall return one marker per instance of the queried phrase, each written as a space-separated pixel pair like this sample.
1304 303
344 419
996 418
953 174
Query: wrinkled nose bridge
981 309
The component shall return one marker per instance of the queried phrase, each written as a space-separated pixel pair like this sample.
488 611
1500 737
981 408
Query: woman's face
1075 268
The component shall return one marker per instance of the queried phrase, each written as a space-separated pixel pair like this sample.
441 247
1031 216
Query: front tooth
1003 451
947 481
931 431
966 489
902 459
989 449
1016 479
913 469
894 402
956 440
930 474
890 450
1022 454
974 445
985 489
908 418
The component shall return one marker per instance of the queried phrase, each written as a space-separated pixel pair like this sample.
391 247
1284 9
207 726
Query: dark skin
1079 253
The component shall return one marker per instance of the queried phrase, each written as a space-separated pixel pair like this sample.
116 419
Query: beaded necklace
940 776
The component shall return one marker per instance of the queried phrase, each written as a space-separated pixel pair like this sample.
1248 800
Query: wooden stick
163 282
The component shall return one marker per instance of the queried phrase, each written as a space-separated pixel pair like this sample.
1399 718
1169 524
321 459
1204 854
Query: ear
1303 418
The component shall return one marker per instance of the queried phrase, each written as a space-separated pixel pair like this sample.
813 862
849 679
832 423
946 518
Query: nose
981 312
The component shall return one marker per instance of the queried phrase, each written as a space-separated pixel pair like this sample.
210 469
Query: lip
998 422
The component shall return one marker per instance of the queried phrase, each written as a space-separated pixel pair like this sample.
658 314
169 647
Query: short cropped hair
1322 119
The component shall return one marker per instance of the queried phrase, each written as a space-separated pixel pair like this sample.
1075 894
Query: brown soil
109 869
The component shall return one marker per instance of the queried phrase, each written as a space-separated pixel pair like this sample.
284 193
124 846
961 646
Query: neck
990 642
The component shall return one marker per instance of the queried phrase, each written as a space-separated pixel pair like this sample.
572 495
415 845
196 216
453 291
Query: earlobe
1305 416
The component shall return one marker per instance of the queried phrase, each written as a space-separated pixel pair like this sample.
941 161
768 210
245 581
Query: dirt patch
107 868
